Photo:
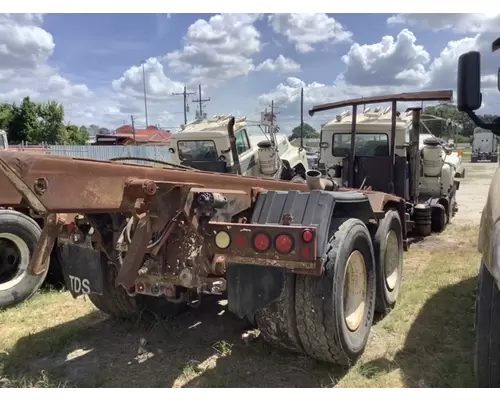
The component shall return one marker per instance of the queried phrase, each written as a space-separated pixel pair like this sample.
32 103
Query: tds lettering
80 286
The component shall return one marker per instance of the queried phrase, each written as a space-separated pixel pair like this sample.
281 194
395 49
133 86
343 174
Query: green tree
51 118
5 116
75 135
309 132
24 124
450 112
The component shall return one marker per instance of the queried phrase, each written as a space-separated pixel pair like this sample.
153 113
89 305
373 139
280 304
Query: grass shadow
438 350
201 348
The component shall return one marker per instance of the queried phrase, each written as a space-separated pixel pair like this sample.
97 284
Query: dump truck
308 262
487 328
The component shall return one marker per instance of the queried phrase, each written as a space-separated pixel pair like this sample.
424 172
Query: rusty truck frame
308 263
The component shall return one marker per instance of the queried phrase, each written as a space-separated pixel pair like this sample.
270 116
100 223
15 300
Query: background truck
20 229
382 150
484 146
487 320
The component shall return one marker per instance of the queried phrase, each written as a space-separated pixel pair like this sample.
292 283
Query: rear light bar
287 246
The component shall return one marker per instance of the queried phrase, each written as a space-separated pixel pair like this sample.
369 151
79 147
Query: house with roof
124 135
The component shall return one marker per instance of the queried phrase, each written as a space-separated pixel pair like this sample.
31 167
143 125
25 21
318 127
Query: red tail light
283 244
241 241
307 236
261 242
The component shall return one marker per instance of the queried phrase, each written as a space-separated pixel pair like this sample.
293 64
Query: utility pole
301 118
185 94
273 115
200 101
144 83
133 127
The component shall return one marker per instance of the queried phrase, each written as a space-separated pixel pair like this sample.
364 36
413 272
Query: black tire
494 159
487 327
21 233
439 218
473 159
319 302
389 230
277 322
55 277
117 303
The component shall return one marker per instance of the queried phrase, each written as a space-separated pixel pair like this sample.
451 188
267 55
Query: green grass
426 341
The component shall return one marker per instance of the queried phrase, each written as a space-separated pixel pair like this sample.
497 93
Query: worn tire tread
487 331
382 305
314 306
277 321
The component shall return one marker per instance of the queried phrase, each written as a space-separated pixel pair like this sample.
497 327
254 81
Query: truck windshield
367 144
197 150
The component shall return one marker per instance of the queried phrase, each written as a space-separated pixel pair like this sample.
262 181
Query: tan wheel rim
355 287
391 260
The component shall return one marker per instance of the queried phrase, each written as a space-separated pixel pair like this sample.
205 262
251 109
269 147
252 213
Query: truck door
248 160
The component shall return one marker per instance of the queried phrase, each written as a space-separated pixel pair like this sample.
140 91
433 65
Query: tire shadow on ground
201 348
438 350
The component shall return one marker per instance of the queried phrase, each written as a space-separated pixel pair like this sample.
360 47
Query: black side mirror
469 81
498 79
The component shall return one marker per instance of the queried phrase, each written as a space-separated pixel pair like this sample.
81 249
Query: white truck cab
373 131
373 139
204 144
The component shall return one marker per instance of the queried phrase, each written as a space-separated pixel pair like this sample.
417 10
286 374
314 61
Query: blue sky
90 62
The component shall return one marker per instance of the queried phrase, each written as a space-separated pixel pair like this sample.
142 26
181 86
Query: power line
185 94
200 101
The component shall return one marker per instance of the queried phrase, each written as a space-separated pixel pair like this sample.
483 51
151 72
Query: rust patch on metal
430 95
40 186
100 184
287 219
16 181
39 262
135 254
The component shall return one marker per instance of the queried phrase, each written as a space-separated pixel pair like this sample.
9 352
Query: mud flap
82 271
252 287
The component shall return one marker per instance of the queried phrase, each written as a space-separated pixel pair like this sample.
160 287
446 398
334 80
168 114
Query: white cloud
391 61
481 30
307 30
218 49
443 70
280 65
287 94
25 48
23 43
158 86
461 23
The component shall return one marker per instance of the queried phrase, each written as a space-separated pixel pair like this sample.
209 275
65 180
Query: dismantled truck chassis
309 267
308 263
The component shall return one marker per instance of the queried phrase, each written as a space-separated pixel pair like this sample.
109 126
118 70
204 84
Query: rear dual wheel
388 246
330 317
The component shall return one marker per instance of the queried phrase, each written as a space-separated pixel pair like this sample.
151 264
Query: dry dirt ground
426 341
